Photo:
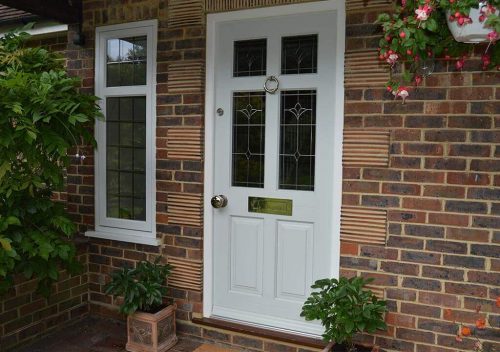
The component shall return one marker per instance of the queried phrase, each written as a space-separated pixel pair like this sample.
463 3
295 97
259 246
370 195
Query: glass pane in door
297 140
250 58
299 54
249 120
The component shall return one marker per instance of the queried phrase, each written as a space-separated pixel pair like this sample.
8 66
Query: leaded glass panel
126 61
297 140
248 139
125 158
299 54
250 58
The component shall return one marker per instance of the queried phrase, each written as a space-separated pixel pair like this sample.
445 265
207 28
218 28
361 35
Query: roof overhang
63 11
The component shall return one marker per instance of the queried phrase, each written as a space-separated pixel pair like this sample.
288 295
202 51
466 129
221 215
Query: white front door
274 162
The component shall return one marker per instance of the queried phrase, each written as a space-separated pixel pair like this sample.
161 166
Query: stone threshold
274 335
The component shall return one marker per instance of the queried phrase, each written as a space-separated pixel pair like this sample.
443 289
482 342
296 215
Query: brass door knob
219 201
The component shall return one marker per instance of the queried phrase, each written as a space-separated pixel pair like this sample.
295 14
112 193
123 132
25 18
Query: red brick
462 178
415 335
400 188
378 252
423 149
399 268
444 191
445 163
406 135
400 320
362 108
445 135
422 204
441 107
360 187
406 216
476 93
420 310
347 248
466 289
424 176
439 299
465 234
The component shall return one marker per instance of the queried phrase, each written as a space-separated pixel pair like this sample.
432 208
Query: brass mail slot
273 206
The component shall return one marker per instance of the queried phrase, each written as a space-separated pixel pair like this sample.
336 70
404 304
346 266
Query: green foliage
414 40
344 308
142 287
42 116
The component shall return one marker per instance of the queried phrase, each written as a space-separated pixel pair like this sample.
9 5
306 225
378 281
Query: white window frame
143 232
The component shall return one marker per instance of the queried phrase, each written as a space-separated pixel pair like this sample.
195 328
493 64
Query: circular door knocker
268 86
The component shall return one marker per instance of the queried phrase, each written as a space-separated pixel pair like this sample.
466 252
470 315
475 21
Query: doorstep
260 333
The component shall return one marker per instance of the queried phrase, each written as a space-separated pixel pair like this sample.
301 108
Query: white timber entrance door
276 92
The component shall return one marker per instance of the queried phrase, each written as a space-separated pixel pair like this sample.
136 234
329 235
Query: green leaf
6 244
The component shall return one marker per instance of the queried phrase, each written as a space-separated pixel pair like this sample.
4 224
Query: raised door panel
247 245
294 260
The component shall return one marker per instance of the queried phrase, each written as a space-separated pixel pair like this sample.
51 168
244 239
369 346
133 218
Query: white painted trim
41 29
119 229
212 21
123 237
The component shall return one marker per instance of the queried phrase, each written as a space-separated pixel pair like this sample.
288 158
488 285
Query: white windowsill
116 236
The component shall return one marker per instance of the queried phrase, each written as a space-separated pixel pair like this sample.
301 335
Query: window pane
126 61
126 158
297 140
250 58
248 139
299 54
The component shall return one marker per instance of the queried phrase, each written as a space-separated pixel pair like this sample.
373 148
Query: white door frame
212 21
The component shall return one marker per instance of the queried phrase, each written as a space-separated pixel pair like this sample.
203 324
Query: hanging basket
474 32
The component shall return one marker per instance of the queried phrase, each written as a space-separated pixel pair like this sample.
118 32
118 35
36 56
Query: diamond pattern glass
250 58
126 158
248 139
299 54
297 140
126 62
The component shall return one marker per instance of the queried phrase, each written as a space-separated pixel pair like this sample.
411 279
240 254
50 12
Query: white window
125 80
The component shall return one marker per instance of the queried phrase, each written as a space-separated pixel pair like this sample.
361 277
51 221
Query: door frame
212 21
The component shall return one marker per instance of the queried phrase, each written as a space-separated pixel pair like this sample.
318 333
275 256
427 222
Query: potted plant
344 307
418 33
150 323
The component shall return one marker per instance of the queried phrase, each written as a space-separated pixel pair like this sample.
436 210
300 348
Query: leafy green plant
42 116
418 30
344 307
142 287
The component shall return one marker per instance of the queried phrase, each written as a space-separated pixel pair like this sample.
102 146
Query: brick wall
25 315
440 189
442 192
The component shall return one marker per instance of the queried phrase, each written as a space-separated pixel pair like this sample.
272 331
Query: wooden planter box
152 332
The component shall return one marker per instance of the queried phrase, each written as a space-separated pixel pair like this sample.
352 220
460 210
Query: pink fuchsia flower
392 59
487 10
402 93
423 12
460 64
492 36
418 80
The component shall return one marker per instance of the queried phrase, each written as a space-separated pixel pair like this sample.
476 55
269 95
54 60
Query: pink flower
460 64
423 12
492 36
402 93
403 3
392 58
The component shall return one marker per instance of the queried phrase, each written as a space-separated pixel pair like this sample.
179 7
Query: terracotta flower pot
148 332
474 32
